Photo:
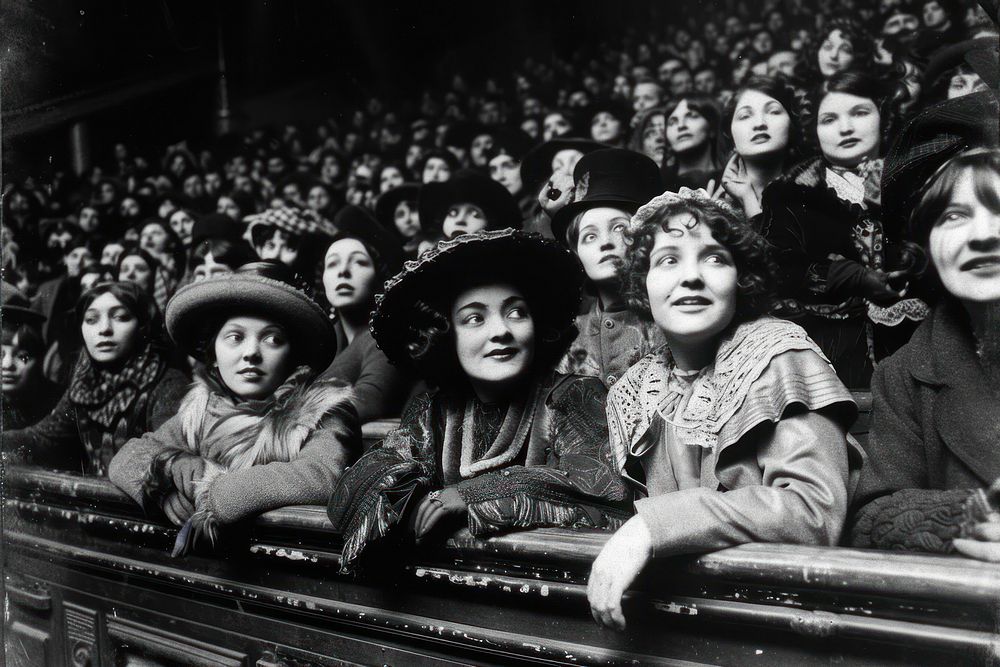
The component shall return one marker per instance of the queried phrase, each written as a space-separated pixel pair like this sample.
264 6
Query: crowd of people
628 289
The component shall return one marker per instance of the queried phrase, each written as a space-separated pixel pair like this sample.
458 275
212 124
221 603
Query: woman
122 385
27 394
468 203
396 210
844 276
762 125
218 256
437 166
692 133
182 221
358 261
160 240
135 265
256 431
650 134
932 480
292 236
736 430
843 46
503 443
610 337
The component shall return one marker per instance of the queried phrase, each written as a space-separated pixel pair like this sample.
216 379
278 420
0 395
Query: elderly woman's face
494 336
691 282
110 331
253 355
964 244
760 125
848 129
349 277
836 54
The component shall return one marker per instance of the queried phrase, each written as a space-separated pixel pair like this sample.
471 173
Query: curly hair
755 269
853 32
863 85
794 103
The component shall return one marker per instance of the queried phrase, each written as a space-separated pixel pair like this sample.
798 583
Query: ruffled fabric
713 411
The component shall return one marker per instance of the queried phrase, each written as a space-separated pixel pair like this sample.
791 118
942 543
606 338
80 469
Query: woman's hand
984 543
875 286
438 508
177 508
737 184
616 567
185 470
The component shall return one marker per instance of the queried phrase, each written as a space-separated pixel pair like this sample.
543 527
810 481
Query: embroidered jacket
767 422
558 470
259 455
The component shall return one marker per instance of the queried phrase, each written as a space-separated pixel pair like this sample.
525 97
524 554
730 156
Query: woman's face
691 282
281 247
291 194
687 130
414 154
477 151
182 224
600 245
390 178
407 219
760 125
965 244
134 269
763 43
194 187
605 128
110 331
89 220
349 277
76 259
965 83
836 54
209 268
436 170
330 169
253 355
494 336
59 239
463 218
106 193
848 129
554 125
18 368
153 238
228 207
531 127
934 14
318 198
654 141
111 252
564 162
506 171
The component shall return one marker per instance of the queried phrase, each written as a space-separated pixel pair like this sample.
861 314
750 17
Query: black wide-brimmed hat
385 207
355 222
613 177
931 138
536 167
982 55
248 290
15 307
470 187
216 226
547 274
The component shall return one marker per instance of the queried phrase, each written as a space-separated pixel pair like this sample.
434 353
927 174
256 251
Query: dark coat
935 436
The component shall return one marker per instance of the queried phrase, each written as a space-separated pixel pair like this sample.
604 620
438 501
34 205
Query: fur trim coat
289 449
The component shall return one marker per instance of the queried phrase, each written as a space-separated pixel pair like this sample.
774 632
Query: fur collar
238 435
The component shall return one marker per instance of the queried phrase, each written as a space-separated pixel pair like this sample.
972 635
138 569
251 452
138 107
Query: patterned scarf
106 395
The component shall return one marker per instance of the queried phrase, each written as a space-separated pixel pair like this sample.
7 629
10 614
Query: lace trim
907 309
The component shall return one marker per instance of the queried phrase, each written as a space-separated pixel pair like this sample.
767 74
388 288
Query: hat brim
199 304
498 205
549 275
564 216
21 315
386 205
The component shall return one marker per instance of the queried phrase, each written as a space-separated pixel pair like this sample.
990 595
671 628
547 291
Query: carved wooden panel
137 644
26 646
80 626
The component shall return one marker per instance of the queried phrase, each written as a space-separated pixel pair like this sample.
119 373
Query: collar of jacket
966 410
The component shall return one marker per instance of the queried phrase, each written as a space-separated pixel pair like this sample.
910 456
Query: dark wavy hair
755 270
705 106
864 85
936 193
432 336
794 103
860 39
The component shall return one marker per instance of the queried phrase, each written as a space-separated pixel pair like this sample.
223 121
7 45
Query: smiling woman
505 442
256 431
736 430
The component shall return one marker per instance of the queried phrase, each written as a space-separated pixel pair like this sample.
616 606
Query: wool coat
935 437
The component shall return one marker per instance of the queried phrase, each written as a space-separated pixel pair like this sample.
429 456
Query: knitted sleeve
577 488
912 520
373 495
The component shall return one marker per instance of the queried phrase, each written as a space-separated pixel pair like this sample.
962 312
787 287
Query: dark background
141 69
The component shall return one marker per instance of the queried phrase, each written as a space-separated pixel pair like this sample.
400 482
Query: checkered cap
292 220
